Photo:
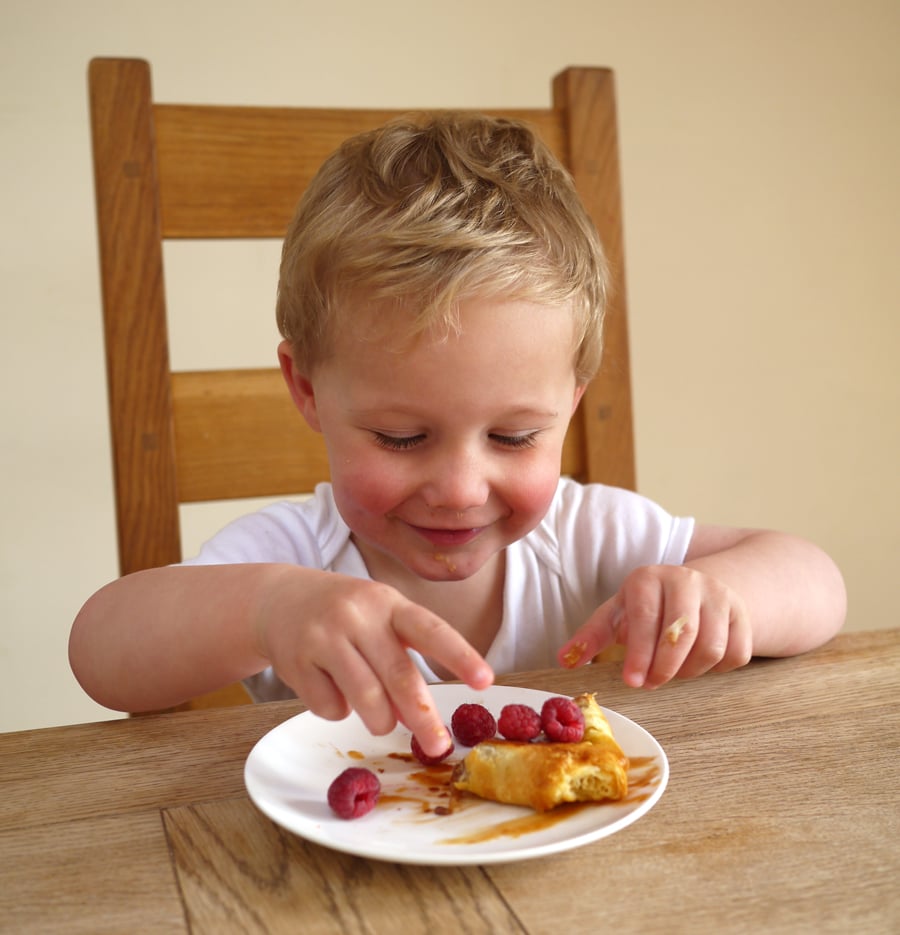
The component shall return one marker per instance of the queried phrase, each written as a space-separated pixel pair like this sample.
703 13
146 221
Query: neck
473 606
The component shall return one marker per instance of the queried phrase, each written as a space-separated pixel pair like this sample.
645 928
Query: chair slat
134 315
237 434
587 97
239 171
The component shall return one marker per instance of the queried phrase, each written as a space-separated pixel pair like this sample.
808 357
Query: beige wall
760 146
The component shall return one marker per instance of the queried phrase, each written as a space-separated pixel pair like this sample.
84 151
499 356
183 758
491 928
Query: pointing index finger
435 638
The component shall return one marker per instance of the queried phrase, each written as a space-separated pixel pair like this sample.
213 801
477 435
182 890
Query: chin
445 566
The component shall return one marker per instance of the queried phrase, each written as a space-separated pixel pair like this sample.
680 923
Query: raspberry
519 722
562 720
472 723
354 793
424 758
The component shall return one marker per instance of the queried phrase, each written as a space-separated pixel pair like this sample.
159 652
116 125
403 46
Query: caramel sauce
430 792
527 824
427 787
356 755
643 776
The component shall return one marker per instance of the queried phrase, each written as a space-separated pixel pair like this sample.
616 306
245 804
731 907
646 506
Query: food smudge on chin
445 560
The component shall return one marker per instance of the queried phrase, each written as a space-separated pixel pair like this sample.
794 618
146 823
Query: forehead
504 355
404 327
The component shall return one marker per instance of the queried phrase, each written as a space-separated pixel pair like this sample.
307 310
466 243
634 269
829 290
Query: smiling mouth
447 537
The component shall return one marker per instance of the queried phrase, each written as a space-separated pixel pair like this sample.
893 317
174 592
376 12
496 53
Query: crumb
573 654
673 630
444 560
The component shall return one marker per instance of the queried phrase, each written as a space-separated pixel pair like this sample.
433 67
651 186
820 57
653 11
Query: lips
447 537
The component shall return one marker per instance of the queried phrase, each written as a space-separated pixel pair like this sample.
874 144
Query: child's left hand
674 621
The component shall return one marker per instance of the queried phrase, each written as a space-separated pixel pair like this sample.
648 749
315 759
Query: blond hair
428 211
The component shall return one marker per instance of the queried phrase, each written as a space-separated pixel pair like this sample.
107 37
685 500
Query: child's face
444 452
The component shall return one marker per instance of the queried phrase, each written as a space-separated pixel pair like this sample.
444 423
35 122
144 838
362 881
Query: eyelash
406 442
397 442
516 441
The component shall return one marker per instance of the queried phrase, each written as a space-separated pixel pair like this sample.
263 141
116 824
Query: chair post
586 99
137 356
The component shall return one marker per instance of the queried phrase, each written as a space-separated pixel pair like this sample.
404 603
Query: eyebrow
522 412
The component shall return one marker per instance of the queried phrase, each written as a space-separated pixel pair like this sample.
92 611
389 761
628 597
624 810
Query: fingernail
634 679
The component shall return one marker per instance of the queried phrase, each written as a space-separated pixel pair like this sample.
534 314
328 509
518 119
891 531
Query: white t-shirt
556 576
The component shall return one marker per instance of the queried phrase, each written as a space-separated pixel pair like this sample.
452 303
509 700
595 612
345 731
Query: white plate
288 773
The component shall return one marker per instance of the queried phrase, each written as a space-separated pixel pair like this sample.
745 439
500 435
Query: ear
299 386
579 392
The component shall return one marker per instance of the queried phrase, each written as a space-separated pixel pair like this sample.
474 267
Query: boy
441 299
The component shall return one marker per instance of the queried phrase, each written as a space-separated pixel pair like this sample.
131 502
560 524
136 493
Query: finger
739 650
413 705
676 640
407 693
598 632
643 608
433 637
379 681
362 681
711 644
681 627
316 689
337 675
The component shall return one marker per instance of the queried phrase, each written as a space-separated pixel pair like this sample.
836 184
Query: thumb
594 635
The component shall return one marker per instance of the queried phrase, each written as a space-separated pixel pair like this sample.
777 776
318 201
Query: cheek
373 489
529 491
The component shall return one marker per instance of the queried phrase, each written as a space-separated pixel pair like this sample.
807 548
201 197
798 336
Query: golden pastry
544 775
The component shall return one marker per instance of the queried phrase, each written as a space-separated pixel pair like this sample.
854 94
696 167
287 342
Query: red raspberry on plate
354 793
424 758
472 723
562 720
519 722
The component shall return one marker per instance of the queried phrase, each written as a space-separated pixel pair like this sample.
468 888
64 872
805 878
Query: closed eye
397 442
515 441
406 442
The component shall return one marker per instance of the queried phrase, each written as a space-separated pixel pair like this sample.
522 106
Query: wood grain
780 816
238 871
239 171
135 328
114 767
95 875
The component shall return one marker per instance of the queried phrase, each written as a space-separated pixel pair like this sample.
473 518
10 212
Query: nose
456 480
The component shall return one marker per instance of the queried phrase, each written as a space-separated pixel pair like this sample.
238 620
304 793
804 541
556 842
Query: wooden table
781 815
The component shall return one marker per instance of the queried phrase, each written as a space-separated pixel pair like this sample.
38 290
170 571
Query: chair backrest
184 171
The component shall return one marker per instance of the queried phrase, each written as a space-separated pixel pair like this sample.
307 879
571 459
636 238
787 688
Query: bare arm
738 594
793 592
155 638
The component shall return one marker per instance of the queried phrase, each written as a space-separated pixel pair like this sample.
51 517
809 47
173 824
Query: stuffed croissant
544 775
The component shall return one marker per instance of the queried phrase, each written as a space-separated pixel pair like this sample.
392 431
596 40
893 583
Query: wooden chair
184 171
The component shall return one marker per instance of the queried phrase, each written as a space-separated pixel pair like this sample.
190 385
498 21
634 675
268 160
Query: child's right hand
340 643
